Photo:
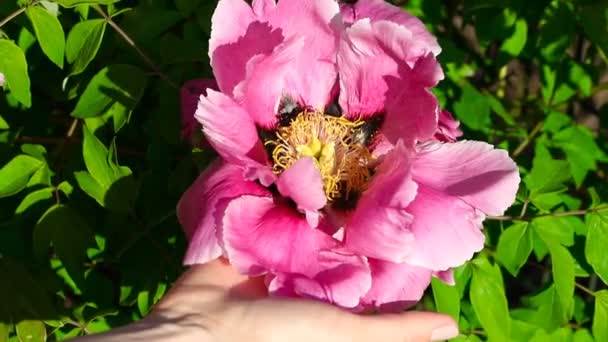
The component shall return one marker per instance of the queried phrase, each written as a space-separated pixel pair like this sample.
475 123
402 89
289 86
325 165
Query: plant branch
528 140
132 43
17 12
584 289
556 214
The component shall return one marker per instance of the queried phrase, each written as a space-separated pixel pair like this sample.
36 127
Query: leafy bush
93 163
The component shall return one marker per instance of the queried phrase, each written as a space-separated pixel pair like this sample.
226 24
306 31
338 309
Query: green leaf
582 335
514 247
73 3
581 151
3 332
549 313
562 267
83 43
90 186
557 31
116 89
556 228
70 236
34 198
473 109
14 67
95 158
187 7
600 316
516 43
547 175
15 175
49 33
594 19
31 331
556 121
110 184
143 302
447 298
596 243
489 301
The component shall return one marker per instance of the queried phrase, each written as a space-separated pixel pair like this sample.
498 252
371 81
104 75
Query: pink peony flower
1 79
340 178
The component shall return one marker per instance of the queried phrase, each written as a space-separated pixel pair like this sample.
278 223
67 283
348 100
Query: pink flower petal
263 236
447 230
377 10
237 35
411 109
267 82
484 177
302 68
196 209
446 276
378 227
232 133
319 23
263 8
190 92
380 72
447 129
344 279
396 287
303 183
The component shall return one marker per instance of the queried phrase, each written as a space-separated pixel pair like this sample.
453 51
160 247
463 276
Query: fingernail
445 333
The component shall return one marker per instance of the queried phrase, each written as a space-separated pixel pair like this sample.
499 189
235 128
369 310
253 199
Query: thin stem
584 289
528 140
524 208
132 43
16 13
557 214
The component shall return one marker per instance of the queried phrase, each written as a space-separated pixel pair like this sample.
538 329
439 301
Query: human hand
214 303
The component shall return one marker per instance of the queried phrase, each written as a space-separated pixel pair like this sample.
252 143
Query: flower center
335 145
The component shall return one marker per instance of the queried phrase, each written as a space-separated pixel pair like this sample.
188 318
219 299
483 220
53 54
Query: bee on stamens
288 111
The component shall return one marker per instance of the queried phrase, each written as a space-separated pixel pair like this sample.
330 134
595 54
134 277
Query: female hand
214 303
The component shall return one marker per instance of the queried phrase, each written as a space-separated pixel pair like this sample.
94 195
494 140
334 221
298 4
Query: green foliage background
93 164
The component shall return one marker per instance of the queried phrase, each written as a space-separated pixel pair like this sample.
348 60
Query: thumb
408 326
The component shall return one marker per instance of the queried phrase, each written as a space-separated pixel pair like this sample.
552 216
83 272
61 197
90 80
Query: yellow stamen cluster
330 141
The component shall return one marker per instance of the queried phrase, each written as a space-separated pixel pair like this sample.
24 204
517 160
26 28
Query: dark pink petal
484 177
381 72
377 10
378 228
232 133
344 279
303 183
196 209
263 236
446 276
190 92
447 230
447 128
396 287
237 35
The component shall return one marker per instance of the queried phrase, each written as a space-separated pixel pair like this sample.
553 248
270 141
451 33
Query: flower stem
132 43
528 140
17 12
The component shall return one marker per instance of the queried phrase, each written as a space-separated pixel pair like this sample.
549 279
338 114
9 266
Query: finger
217 272
408 326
